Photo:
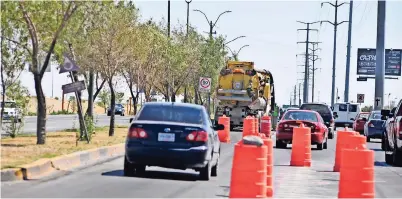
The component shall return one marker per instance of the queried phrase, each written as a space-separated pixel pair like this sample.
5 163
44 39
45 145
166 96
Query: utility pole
314 58
294 95
299 94
380 56
335 24
168 33
211 32
306 66
346 94
188 24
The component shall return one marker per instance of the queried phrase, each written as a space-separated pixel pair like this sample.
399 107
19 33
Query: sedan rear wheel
129 169
397 159
280 145
205 173
215 169
326 144
140 169
320 146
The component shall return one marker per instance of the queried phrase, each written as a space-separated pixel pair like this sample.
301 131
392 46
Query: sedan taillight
197 136
370 124
137 133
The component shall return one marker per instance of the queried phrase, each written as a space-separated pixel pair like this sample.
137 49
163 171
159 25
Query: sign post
69 66
204 86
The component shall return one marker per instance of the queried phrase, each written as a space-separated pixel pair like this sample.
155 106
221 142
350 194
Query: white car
11 111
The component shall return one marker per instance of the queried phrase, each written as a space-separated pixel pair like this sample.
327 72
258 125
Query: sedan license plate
166 137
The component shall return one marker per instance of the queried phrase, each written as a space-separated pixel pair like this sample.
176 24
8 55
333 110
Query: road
62 122
105 180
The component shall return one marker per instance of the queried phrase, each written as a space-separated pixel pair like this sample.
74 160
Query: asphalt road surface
62 122
105 180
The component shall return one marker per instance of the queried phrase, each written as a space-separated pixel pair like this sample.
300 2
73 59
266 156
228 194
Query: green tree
39 24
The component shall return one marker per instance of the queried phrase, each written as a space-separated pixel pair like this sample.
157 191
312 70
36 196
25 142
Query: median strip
22 159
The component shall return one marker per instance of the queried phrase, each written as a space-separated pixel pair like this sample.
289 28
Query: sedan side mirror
131 120
219 127
364 119
385 113
353 119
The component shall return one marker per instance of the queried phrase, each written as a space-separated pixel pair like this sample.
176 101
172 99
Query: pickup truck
393 135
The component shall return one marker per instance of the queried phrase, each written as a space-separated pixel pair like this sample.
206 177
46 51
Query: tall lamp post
188 24
211 31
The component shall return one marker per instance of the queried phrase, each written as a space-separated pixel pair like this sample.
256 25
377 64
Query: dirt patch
23 150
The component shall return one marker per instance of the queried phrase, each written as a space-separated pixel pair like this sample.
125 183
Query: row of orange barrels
252 168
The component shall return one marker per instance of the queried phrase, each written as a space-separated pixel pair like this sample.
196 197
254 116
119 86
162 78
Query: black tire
122 114
215 169
397 156
383 143
331 135
320 146
129 169
205 173
326 144
232 127
140 169
280 145
389 159
108 114
19 120
367 139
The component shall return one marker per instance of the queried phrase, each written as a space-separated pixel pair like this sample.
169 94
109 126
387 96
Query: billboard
366 61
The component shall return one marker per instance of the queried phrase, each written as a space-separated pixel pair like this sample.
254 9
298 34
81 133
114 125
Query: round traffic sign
67 64
205 83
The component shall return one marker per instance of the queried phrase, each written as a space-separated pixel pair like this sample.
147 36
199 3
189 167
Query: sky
270 28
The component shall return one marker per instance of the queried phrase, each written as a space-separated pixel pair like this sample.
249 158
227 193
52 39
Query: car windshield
165 113
375 116
364 115
119 106
321 109
300 115
9 104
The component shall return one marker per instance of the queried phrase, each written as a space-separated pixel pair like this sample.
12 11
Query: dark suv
326 113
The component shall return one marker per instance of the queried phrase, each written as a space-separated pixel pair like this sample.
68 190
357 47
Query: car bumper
375 133
316 138
343 124
196 157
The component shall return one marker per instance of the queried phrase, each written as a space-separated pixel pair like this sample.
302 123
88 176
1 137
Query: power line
335 24
306 66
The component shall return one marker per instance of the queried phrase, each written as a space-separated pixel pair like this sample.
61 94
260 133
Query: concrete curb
44 167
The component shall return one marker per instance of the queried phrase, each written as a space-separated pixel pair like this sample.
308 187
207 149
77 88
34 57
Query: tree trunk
195 95
112 108
98 90
41 117
3 97
135 99
90 109
173 99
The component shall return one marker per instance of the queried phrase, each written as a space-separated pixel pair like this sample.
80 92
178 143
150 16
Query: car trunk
167 134
287 126
378 124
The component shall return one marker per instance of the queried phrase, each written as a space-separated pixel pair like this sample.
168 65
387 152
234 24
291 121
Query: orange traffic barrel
248 126
266 125
224 135
256 125
341 141
357 173
249 171
301 148
270 162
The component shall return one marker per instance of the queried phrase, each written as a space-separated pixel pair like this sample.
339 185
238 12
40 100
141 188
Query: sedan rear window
375 116
363 115
321 109
352 108
300 115
171 114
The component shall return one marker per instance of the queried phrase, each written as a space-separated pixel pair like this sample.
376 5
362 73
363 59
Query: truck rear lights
137 133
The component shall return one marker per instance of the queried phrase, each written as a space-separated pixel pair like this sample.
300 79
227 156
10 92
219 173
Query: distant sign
360 98
73 87
362 79
204 84
366 61
68 65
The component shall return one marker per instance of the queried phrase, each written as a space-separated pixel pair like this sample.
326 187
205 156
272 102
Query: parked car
11 111
172 135
344 113
325 112
311 119
118 110
360 121
386 123
374 126
393 138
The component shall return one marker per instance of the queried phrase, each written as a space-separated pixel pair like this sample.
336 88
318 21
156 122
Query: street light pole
211 28
188 23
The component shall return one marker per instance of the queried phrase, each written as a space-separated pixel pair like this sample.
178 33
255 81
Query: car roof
299 110
174 104
323 104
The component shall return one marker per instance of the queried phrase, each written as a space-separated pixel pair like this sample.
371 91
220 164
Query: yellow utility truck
242 91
